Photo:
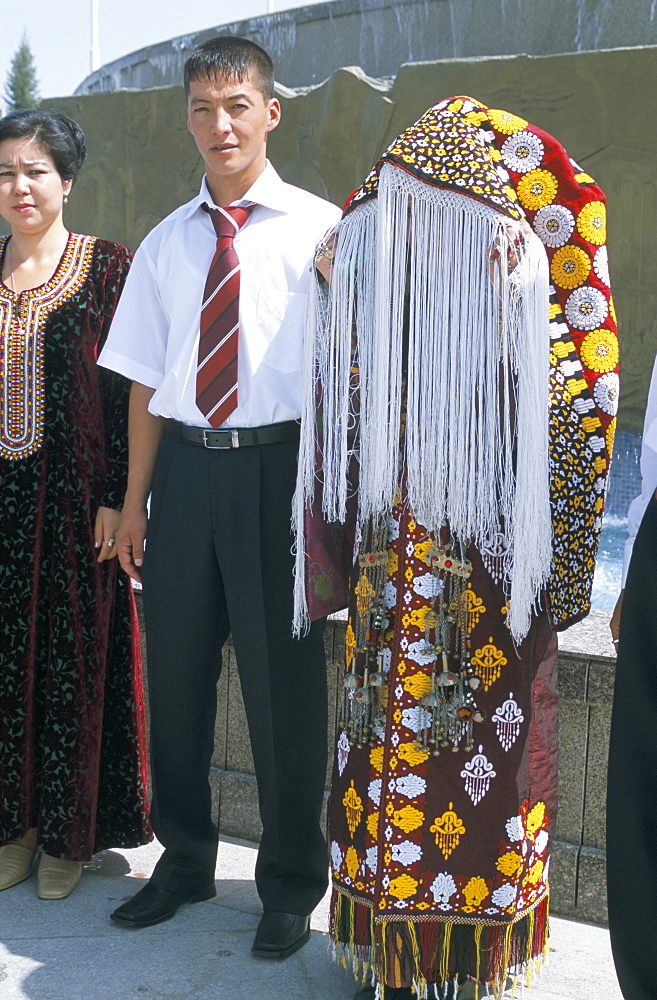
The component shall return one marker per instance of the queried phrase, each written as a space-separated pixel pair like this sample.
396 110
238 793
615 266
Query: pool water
607 579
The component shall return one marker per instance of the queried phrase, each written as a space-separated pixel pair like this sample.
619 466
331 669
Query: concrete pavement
69 949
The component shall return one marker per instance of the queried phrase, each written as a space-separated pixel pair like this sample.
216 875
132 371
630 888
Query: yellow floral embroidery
393 562
376 758
610 435
474 607
418 685
353 807
411 754
570 266
475 893
424 618
372 824
403 887
535 874
448 829
350 645
351 861
509 864
505 122
488 662
592 223
364 594
409 818
537 188
600 351
422 549
535 819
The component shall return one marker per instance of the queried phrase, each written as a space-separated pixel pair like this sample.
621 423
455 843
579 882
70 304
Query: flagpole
95 44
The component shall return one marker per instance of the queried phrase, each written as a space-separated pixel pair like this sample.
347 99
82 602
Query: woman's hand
324 256
614 624
107 523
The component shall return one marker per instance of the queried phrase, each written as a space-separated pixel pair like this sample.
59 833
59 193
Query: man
631 790
210 330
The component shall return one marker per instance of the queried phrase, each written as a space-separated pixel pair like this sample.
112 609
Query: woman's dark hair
55 134
231 58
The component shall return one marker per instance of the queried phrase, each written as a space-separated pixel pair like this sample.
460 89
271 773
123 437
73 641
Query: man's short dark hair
231 58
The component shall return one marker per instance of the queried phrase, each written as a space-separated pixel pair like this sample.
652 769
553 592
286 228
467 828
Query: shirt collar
267 190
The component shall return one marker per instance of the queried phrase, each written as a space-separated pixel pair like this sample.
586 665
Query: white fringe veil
474 454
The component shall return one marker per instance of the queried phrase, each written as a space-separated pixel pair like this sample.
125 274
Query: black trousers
632 784
218 560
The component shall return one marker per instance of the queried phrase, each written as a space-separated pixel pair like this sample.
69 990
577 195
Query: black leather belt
233 437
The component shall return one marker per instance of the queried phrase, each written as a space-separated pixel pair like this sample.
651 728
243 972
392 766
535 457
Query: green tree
21 87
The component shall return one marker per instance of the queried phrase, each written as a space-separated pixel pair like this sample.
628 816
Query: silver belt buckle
234 441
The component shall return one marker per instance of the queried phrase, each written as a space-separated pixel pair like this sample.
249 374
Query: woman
457 417
72 771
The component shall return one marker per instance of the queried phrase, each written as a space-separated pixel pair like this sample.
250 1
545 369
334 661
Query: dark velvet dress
72 722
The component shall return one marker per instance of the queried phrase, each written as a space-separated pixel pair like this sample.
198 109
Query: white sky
59 31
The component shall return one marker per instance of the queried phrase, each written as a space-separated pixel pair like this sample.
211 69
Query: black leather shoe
280 934
152 905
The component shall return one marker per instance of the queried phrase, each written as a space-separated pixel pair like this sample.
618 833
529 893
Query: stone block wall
142 162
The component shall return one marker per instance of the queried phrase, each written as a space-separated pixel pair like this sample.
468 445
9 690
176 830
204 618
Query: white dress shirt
648 472
154 335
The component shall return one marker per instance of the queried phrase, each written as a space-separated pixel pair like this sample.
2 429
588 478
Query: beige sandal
56 877
15 864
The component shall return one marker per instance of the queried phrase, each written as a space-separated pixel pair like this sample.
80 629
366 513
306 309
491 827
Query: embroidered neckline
23 317
58 277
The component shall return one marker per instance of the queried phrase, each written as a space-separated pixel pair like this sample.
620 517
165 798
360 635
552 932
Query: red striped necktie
216 373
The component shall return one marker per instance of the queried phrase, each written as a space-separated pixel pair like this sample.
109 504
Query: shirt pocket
280 316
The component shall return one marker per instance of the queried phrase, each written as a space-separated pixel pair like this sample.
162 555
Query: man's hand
130 538
614 624
324 256
144 433
107 522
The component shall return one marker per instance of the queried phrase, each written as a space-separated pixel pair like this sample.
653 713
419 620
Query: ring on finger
108 541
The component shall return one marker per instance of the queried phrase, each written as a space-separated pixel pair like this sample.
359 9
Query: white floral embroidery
343 752
386 660
416 651
336 856
390 594
541 841
411 785
515 830
393 529
394 739
372 859
605 392
583 405
374 791
478 773
586 308
522 152
505 895
508 719
443 888
402 904
416 718
410 548
554 224
428 585
406 853
388 835
601 265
